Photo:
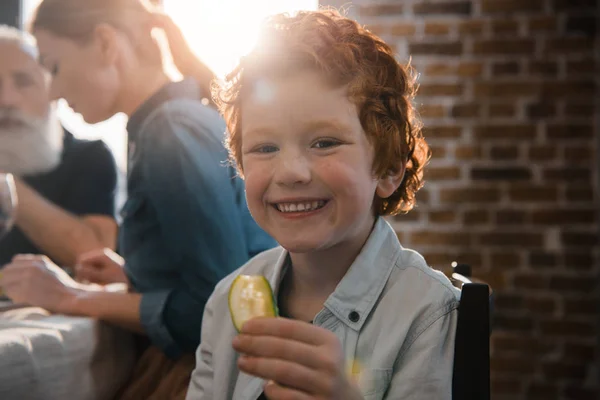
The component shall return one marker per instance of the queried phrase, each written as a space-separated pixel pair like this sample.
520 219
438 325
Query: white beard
29 145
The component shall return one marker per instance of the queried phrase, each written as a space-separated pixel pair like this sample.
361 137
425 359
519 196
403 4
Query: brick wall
507 95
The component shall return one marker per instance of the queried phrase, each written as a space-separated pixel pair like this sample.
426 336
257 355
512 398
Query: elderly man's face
31 137
22 83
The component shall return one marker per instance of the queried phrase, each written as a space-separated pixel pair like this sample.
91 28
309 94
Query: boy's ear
106 43
388 183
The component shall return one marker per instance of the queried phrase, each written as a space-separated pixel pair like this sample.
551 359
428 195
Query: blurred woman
185 223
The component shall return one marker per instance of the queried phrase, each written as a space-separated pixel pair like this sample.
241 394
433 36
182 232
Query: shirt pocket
374 383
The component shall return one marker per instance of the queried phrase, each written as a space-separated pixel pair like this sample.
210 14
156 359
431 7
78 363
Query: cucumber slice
250 296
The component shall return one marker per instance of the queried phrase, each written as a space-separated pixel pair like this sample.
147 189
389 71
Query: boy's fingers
290 329
278 348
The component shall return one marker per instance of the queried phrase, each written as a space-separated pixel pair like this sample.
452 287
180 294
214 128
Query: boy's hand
102 267
299 360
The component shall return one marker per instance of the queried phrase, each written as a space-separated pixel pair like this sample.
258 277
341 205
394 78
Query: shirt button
354 316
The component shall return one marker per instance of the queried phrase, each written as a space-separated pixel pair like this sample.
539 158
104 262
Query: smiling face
308 164
81 74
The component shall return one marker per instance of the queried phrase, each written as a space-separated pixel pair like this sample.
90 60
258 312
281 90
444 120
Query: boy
323 131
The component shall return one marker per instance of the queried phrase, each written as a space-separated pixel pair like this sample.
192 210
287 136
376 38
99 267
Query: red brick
441 89
403 29
466 110
423 196
470 69
554 327
510 6
442 173
574 5
505 27
579 154
442 132
544 68
503 46
542 391
443 8
541 305
501 110
567 174
506 302
563 216
515 365
570 131
506 89
542 153
534 194
527 281
437 152
378 29
580 352
467 152
512 322
380 9
578 109
581 89
543 24
471 27
541 110
577 392
513 132
436 48
436 238
504 152
501 174
579 194
437 28
506 386
560 370
569 45
506 68
586 66
585 307
476 217
432 111
585 25
511 217
581 239
516 239
519 344
438 259
539 259
439 70
505 260
579 261
470 195
412 216
442 217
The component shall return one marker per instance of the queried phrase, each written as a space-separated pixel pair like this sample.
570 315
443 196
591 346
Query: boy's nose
293 169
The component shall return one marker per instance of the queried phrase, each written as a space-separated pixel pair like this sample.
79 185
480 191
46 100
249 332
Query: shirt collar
358 291
187 88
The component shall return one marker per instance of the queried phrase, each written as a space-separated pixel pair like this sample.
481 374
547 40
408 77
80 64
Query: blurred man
65 186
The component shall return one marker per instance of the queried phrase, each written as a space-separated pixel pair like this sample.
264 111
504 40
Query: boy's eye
325 143
266 149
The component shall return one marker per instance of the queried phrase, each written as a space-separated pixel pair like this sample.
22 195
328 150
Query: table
44 356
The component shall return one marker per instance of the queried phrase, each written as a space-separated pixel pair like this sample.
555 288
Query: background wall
508 97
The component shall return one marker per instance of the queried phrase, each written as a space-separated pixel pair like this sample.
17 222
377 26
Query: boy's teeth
299 207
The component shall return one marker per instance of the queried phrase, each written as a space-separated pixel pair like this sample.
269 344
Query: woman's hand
102 267
299 360
35 280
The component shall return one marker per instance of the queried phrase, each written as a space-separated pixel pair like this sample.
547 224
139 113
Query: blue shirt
186 224
392 314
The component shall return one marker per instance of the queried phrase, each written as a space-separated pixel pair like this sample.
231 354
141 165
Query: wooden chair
471 375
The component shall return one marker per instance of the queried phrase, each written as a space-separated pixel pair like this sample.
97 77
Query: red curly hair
346 54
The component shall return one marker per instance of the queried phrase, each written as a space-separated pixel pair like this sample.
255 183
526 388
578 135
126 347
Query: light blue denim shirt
391 312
